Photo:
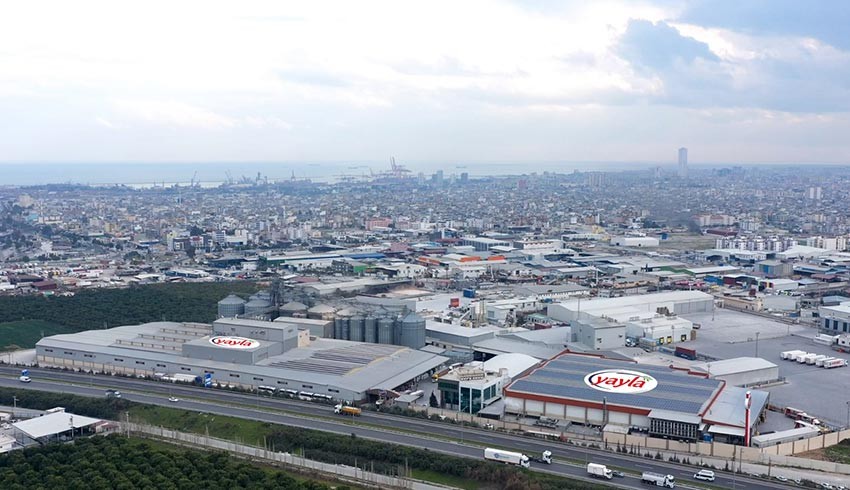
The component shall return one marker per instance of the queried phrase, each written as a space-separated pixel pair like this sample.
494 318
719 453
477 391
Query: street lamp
757 344
848 414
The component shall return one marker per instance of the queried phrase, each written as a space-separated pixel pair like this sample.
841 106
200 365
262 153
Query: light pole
14 402
757 344
848 414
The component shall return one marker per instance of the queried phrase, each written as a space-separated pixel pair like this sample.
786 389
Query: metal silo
355 326
257 307
385 330
412 331
370 334
231 306
338 327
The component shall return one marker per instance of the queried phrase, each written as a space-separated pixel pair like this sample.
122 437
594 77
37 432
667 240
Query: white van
706 475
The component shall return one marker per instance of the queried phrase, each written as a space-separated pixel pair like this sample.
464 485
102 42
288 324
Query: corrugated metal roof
53 423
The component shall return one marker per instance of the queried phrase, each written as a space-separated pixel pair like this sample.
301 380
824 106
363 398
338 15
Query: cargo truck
658 479
347 410
507 457
834 363
814 360
790 355
820 362
599 471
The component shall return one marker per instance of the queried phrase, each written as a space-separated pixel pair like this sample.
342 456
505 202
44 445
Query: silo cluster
408 331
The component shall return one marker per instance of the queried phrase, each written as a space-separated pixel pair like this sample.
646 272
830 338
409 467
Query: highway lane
341 427
437 429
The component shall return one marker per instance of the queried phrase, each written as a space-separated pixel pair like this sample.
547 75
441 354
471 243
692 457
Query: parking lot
823 393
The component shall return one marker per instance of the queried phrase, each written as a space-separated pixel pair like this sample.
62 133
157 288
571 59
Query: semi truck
347 410
545 458
599 471
791 355
507 457
657 479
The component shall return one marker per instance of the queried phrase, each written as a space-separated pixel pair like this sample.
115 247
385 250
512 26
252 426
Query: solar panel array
563 377
339 361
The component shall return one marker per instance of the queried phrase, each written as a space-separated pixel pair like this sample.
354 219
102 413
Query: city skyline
605 81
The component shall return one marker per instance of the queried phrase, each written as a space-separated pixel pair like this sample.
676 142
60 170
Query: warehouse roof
733 366
53 423
564 377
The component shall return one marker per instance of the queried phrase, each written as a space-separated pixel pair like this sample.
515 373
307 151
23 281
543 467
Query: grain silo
386 325
355 327
231 306
370 325
412 331
293 308
257 307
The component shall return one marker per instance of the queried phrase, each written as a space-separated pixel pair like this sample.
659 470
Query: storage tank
355 327
412 331
386 326
257 306
338 327
231 306
293 308
321 312
370 325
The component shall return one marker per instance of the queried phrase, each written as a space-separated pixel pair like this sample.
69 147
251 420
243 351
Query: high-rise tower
683 163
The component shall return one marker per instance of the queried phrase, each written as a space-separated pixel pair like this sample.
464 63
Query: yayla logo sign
234 342
621 381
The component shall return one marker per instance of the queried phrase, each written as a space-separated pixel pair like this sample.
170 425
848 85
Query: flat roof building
275 354
597 391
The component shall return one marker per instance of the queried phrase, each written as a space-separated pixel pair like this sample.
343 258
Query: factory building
606 323
477 385
740 371
665 403
242 353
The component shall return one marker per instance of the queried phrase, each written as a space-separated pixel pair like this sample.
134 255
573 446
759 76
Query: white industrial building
242 353
740 371
605 323
635 241
667 403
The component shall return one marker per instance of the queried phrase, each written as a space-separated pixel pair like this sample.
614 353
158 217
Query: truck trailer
834 363
347 410
599 471
507 457
658 479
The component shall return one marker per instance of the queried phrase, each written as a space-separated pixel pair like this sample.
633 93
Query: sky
755 81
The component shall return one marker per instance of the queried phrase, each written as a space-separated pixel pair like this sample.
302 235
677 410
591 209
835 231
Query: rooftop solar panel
563 377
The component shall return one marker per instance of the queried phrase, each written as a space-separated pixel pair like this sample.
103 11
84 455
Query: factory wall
138 365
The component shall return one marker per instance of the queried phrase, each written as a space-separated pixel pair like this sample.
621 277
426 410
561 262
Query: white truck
658 479
834 363
599 471
791 355
25 376
507 457
545 457
814 360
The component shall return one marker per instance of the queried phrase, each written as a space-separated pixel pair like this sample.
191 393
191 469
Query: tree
433 401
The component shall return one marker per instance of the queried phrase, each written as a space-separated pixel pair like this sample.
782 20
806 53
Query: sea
213 174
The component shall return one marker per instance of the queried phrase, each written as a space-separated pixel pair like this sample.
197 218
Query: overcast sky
457 81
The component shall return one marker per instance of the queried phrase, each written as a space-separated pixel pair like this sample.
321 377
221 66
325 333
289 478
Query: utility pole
757 344
14 402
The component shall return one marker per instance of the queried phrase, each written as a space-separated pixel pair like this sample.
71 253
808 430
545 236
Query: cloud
823 20
173 113
660 46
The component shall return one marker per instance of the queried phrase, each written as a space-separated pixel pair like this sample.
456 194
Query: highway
465 442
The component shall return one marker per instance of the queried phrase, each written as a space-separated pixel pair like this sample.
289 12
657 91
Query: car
173 399
618 474
781 478
705 475
826 486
